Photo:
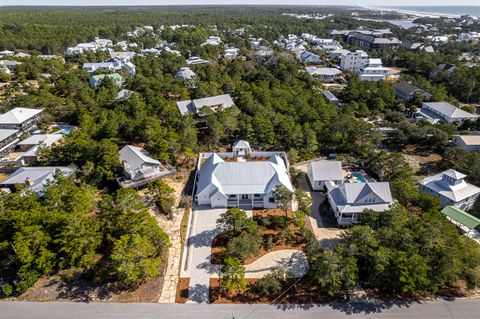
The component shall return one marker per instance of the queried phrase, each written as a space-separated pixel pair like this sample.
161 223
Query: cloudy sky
229 2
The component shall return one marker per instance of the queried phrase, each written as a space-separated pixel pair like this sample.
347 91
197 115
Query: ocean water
453 11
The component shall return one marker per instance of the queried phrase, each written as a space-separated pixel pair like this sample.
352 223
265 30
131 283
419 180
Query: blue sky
229 2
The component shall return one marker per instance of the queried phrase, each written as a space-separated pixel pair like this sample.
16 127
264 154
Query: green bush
7 290
268 285
269 244
279 222
244 246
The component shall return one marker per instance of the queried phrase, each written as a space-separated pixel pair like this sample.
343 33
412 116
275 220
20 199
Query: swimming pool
359 176
64 131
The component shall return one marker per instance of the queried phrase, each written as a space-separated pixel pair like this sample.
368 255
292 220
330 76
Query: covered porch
245 200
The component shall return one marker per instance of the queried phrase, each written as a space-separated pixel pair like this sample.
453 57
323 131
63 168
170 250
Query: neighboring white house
232 179
469 143
35 178
349 200
309 57
353 60
212 41
445 112
139 167
185 73
8 140
20 118
32 144
214 102
324 74
196 60
231 53
452 189
325 174
374 71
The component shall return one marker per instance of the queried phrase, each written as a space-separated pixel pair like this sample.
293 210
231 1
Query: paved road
464 309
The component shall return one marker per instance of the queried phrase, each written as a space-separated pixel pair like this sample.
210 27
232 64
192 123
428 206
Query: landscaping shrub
244 246
279 222
268 285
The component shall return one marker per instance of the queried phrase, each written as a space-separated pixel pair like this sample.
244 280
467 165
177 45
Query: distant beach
435 11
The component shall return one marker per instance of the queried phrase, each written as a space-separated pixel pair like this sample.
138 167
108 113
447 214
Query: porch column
238 201
252 200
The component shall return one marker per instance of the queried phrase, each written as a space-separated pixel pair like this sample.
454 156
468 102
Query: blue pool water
64 131
359 177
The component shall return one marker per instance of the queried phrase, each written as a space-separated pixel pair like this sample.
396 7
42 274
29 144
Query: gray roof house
349 200
20 118
330 97
185 73
406 91
36 178
214 102
445 112
452 189
323 174
8 140
469 143
232 179
139 167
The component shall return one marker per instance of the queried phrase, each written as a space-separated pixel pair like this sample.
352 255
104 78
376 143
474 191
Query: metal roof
18 115
461 217
136 157
326 170
449 110
455 191
193 106
469 139
4 134
39 176
249 177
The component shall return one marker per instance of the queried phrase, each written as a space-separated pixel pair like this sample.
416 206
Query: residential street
464 309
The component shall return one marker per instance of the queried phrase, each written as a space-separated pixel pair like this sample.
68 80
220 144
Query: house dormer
241 148
452 177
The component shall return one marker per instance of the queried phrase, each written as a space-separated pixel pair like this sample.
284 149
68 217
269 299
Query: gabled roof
449 110
241 144
457 191
249 177
469 139
461 217
4 134
356 197
326 170
39 176
193 106
185 73
136 157
45 139
18 115
454 174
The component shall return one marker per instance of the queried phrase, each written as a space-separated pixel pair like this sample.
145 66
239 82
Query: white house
32 145
231 53
214 102
8 140
452 189
139 167
324 74
212 40
353 60
469 143
234 180
309 57
196 60
20 118
325 174
36 178
349 200
374 71
185 73
445 112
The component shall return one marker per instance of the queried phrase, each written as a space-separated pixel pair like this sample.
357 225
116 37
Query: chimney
28 181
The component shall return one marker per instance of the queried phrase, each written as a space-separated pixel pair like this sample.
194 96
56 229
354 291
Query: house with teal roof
95 80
